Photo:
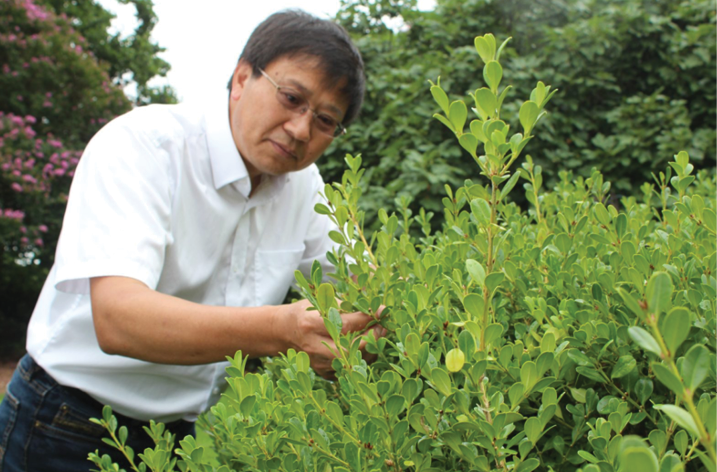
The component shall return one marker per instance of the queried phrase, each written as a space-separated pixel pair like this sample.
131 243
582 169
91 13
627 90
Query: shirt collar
227 164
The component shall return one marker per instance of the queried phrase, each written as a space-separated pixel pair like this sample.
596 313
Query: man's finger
356 321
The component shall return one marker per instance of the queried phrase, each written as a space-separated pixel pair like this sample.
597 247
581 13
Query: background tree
62 77
636 81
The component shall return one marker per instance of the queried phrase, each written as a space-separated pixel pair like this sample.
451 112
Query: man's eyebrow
297 85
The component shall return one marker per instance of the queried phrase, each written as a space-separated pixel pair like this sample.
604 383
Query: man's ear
242 74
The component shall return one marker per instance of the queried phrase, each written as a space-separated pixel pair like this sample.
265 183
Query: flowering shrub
55 96
48 72
575 335
35 175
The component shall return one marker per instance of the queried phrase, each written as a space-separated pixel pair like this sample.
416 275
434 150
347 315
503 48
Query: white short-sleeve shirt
161 195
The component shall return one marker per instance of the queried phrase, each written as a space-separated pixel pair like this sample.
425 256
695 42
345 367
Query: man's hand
306 332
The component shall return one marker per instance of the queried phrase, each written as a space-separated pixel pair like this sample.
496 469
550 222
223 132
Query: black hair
295 32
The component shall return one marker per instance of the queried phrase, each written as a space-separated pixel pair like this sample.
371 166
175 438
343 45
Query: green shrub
637 81
575 335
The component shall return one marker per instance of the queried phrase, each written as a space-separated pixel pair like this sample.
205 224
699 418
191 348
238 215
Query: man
181 236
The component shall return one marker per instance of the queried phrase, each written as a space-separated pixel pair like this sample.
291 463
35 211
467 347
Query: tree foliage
61 80
636 81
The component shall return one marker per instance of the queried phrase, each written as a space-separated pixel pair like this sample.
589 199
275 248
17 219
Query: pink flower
59 172
42 228
29 178
16 187
30 119
38 242
23 229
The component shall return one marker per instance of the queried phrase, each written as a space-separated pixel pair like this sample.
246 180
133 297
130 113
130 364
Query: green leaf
469 143
492 333
643 390
709 220
681 441
676 328
441 381
493 74
636 456
624 365
486 101
322 209
528 114
668 378
695 366
515 394
601 214
123 434
579 358
247 405
631 302
493 281
395 405
481 210
445 121
509 185
590 373
473 305
439 95
458 113
467 343
353 456
644 339
455 360
528 465
659 292
485 51
529 374
326 298
476 271
681 417
335 321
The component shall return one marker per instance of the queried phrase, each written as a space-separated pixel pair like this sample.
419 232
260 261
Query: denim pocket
71 423
8 416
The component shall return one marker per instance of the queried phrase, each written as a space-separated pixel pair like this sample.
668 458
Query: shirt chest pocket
275 274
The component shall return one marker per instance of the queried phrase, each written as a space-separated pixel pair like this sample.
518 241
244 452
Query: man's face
270 138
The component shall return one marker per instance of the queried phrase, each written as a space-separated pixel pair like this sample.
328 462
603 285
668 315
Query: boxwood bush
576 335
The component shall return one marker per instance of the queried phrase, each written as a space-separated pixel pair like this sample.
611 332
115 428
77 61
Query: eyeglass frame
340 128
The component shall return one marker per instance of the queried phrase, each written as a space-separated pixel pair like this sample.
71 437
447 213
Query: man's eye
326 121
290 99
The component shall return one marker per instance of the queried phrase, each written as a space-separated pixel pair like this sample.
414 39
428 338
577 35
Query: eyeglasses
295 102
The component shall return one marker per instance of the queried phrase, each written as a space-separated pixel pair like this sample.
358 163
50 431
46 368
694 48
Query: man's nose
299 126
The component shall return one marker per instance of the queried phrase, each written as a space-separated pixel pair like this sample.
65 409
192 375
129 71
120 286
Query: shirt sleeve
117 221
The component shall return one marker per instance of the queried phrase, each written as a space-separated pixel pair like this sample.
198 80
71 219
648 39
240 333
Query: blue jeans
45 426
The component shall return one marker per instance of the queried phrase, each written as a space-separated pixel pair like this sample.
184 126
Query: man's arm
135 321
